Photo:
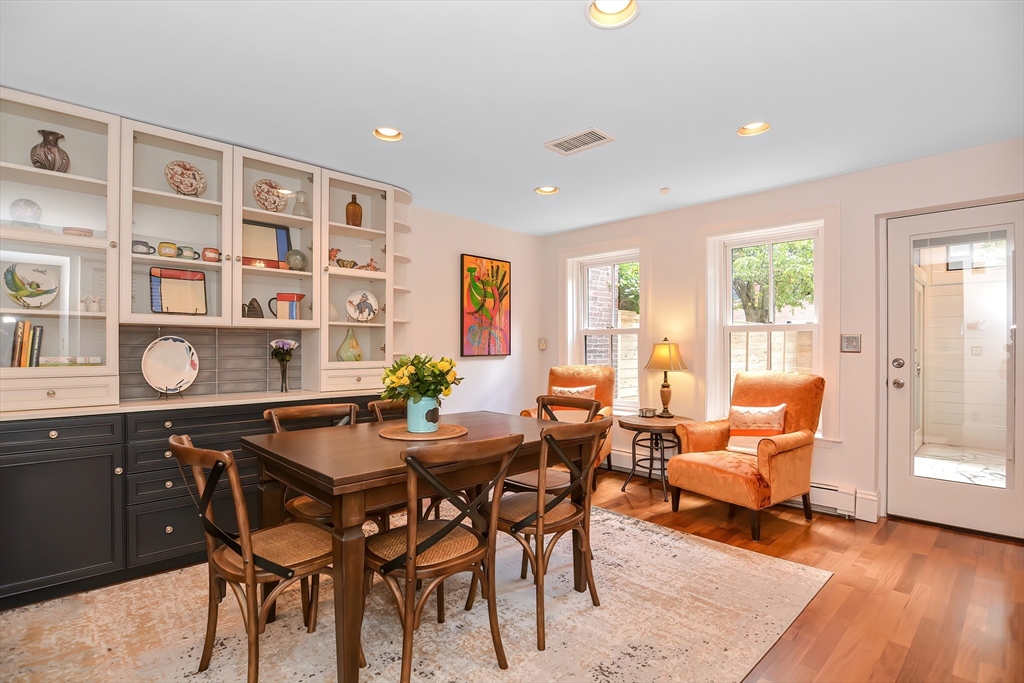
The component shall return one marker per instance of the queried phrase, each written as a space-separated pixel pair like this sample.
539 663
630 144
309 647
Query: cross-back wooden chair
387 408
542 512
442 548
306 508
286 553
548 408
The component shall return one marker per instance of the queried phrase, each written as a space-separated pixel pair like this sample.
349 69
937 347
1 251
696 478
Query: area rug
674 607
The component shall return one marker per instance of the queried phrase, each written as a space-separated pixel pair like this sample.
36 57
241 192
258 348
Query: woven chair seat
289 545
555 480
460 541
304 506
521 505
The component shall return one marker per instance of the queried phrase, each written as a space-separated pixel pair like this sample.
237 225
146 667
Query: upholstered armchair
781 467
575 376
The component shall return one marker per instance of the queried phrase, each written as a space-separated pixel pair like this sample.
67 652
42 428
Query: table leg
664 486
632 471
348 548
271 514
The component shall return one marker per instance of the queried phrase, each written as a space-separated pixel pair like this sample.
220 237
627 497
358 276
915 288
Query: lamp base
665 414
666 398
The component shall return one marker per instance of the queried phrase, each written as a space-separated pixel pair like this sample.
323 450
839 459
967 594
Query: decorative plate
78 232
177 291
25 210
362 305
31 285
296 259
185 178
170 365
267 193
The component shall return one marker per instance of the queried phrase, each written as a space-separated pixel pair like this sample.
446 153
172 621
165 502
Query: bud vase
354 213
284 376
421 417
349 349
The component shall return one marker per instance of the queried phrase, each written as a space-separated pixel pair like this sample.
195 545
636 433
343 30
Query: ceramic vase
301 207
284 376
332 313
354 213
421 417
48 155
349 349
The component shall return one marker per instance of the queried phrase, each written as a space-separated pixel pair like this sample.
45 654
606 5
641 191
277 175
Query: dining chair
306 508
386 409
548 408
542 513
442 548
282 554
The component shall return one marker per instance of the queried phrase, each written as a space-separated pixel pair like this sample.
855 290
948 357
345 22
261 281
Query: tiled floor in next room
985 467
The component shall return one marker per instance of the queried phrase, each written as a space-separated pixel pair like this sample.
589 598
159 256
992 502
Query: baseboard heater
832 499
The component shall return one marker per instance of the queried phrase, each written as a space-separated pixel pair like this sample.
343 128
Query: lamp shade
665 356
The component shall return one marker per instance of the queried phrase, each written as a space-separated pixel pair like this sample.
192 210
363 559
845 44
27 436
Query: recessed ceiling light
387 134
546 189
665 190
755 128
612 13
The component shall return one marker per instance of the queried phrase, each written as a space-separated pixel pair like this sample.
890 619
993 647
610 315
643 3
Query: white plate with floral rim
170 365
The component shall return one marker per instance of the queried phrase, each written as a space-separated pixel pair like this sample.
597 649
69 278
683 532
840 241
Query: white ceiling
479 87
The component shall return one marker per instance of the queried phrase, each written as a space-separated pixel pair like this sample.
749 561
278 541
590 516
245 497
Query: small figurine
372 265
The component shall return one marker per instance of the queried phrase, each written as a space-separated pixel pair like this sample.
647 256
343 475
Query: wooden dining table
353 469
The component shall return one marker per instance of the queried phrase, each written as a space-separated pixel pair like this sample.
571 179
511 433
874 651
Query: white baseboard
867 506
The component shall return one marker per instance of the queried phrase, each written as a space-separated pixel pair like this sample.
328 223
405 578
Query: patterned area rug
674 607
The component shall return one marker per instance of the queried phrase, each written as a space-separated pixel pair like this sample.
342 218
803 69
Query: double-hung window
772 317
606 325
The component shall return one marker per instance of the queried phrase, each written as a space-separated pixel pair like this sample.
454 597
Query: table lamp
665 356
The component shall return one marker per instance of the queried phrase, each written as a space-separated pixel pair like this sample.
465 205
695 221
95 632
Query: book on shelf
19 341
64 361
36 346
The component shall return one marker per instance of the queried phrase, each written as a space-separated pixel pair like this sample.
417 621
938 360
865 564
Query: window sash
771 238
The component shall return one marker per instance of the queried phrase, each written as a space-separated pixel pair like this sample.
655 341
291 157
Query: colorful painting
486 314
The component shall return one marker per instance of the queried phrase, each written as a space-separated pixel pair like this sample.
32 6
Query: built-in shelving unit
402 305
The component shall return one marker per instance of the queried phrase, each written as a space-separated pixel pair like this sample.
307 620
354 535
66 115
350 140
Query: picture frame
485 306
265 244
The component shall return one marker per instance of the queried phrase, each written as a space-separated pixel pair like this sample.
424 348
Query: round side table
660 434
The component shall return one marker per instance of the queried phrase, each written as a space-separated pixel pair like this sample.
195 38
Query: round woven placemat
444 431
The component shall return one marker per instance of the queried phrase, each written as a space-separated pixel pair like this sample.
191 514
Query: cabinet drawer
244 419
26 436
165 484
157 531
368 379
58 392
149 456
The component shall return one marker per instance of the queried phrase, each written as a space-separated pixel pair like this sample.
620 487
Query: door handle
899 383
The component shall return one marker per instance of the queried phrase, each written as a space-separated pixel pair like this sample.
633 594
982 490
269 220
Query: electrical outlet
976 350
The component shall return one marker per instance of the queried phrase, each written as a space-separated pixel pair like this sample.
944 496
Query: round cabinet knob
238 259
899 383
168 484
51 393
53 434
167 454
113 245
227 257
327 269
359 379
168 529
168 424
118 470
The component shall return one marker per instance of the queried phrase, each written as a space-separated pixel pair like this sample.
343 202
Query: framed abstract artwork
486 306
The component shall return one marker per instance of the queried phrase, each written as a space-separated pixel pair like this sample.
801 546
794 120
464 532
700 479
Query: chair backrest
387 408
200 459
547 405
345 412
590 437
602 376
802 394
419 458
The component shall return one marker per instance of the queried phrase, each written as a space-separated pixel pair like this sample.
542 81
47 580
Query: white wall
504 384
677 240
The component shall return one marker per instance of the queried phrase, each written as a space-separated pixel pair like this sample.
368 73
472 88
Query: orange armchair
780 470
601 376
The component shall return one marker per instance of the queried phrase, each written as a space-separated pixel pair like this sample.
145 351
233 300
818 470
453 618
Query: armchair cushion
575 392
756 420
723 475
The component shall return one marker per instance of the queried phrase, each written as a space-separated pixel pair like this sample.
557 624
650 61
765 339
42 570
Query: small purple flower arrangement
281 351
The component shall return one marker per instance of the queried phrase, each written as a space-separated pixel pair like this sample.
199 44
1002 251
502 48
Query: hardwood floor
907 602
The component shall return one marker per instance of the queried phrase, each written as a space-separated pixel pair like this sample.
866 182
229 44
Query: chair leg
587 556
675 498
408 625
304 590
807 506
252 630
471 597
314 601
439 595
492 615
526 559
755 525
538 578
211 622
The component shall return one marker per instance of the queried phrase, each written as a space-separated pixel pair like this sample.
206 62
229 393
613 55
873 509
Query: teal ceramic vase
422 417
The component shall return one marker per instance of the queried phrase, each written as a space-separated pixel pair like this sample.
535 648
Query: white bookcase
59 232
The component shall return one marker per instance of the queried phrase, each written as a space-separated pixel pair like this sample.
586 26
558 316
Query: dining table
354 470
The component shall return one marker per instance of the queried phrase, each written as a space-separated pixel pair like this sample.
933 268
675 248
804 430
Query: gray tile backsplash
231 361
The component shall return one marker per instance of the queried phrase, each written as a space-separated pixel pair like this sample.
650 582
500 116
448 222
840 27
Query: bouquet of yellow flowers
418 377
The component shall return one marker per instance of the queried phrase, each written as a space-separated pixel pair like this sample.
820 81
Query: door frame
882 327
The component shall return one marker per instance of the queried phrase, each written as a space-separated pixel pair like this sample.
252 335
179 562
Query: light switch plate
850 343
542 344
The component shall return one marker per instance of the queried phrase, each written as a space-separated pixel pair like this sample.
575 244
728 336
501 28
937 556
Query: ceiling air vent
578 142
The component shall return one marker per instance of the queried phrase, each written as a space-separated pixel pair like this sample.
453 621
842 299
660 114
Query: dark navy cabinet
90 501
